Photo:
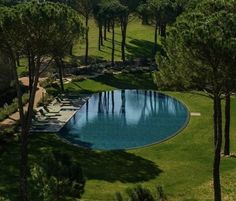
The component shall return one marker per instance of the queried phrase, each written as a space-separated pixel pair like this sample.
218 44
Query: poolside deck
53 124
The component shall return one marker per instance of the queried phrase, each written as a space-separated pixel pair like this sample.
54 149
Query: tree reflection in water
124 119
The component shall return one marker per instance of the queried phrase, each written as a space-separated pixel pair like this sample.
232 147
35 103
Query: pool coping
132 148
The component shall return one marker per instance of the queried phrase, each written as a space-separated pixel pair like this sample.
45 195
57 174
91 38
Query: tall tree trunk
27 121
60 66
18 59
101 36
105 30
30 71
31 66
71 50
155 37
87 41
100 39
227 125
124 23
24 166
113 43
217 156
109 25
61 74
215 116
145 20
163 30
23 163
23 170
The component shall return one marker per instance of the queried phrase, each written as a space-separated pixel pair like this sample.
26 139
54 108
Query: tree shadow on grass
128 81
116 41
141 49
108 166
75 88
121 81
109 52
9 171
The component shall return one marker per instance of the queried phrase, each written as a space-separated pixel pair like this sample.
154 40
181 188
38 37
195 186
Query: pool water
124 119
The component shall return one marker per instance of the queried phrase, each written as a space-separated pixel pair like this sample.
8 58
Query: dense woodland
198 46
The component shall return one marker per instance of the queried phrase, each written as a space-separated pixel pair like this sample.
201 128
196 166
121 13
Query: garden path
12 119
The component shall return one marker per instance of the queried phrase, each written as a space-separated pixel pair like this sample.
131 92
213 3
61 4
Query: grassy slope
139 42
183 165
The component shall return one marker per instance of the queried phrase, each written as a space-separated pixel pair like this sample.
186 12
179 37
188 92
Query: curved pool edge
186 123
175 134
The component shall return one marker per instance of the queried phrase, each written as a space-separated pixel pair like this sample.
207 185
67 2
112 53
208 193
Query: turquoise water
125 119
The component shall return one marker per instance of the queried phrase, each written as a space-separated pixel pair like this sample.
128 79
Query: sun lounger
62 101
52 120
45 113
69 108
54 102
52 109
40 117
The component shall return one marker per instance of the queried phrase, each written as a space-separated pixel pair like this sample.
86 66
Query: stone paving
53 122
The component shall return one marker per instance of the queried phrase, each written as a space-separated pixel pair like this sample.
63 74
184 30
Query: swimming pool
125 119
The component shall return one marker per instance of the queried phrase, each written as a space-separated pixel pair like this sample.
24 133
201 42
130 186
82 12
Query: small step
195 114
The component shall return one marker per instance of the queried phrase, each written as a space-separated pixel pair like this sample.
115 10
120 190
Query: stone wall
100 68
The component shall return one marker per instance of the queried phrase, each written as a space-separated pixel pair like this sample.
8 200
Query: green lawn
140 42
182 165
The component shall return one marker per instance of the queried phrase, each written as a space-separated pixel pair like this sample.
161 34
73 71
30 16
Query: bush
140 193
4 199
7 134
47 82
52 91
78 78
57 178
24 74
7 110
51 86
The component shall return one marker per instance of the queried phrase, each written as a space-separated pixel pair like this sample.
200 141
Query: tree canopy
200 53
37 28
196 46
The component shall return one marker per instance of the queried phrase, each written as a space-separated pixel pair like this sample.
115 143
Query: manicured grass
140 42
182 165
111 82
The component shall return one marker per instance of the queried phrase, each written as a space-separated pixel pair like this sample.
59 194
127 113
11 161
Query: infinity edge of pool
184 125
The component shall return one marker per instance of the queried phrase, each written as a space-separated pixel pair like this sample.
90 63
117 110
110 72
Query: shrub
4 199
47 82
7 110
57 178
78 78
24 74
140 193
7 134
51 86
52 91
